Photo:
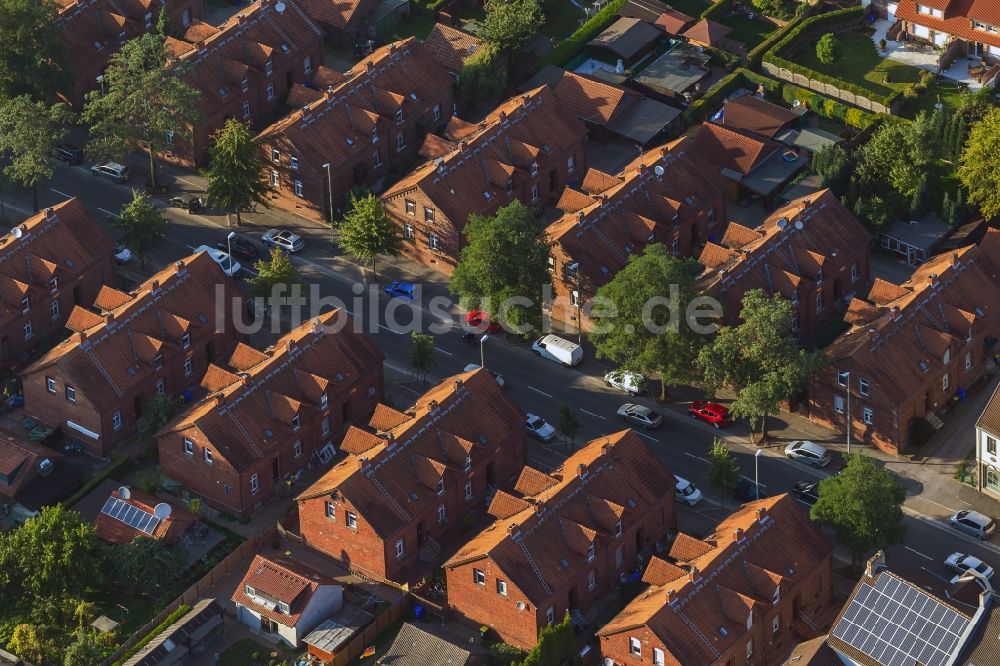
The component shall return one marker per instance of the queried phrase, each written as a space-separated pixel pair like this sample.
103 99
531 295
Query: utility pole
848 413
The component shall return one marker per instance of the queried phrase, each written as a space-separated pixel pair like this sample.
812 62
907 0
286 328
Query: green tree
144 100
979 168
483 76
889 156
142 225
272 273
833 165
146 566
33 57
874 211
509 25
924 136
568 424
236 181
644 328
159 410
863 504
29 134
367 231
26 643
421 355
828 49
920 203
163 25
781 9
506 257
723 471
758 359
959 131
88 647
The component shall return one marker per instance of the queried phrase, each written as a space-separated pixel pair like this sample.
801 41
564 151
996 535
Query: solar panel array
897 624
131 515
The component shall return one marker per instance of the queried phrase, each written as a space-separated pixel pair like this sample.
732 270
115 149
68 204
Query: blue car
401 290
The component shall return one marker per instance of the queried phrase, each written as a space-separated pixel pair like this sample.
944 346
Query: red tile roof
337 13
20 455
732 149
118 532
451 46
673 22
749 112
592 100
397 476
610 477
958 18
765 545
279 579
707 32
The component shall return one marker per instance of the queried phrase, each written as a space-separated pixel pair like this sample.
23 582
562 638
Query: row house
741 596
414 477
268 415
527 149
94 30
345 23
813 252
911 348
987 456
451 47
129 346
56 259
243 69
668 196
563 540
364 126
971 28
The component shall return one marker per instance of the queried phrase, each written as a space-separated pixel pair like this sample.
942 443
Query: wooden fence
367 636
824 88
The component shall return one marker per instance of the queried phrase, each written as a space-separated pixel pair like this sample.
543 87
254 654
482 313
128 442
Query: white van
686 492
558 349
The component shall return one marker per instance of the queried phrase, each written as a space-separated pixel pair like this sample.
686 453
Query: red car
481 321
710 412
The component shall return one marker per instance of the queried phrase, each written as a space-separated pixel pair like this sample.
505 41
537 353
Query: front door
267 625
976 49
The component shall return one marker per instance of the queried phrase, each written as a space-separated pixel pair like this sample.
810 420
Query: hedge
572 45
169 620
756 53
118 461
829 108
741 77
724 59
716 9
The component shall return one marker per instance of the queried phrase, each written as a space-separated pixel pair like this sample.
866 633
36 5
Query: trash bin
418 611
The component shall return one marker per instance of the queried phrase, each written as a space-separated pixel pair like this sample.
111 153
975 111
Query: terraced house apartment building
963 28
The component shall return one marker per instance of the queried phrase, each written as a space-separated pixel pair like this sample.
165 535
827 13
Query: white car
808 452
496 375
225 260
539 428
686 492
960 563
631 382
283 239
123 255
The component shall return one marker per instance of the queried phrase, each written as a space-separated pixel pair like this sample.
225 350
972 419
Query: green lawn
415 26
861 65
560 23
748 32
241 653
692 8
945 89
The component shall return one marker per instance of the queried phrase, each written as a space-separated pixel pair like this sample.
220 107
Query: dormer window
268 68
186 340
54 285
399 117
245 84
26 305
296 424
441 487
283 607
275 155
468 463
591 553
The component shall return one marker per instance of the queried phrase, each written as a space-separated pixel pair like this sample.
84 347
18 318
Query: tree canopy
979 169
29 134
142 225
483 76
828 49
367 231
236 181
33 57
509 24
145 564
276 270
421 354
723 471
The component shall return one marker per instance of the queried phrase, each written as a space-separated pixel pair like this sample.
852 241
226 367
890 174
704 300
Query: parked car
808 452
400 290
806 491
539 428
686 492
481 322
640 415
746 490
192 203
960 563
123 255
496 375
113 170
974 523
69 153
283 239
241 247
229 265
710 412
631 382
558 349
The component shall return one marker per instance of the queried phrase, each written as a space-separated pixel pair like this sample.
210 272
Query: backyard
692 8
747 31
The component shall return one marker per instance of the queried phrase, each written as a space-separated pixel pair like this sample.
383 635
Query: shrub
724 59
717 10
828 49
572 45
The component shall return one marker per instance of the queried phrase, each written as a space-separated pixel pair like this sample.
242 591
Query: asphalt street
538 386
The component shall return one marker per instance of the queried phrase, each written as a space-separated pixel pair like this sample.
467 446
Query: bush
724 59
757 52
717 10
504 654
572 45
828 49
920 432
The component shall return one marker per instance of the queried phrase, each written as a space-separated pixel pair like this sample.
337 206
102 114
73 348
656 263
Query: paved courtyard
921 56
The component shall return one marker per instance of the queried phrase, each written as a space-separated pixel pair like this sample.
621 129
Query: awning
83 431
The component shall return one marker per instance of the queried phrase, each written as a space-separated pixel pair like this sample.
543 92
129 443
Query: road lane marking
443 351
762 485
652 439
62 194
694 456
594 415
917 552
538 391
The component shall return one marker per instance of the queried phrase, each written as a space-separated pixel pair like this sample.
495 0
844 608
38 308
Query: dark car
69 153
192 203
745 490
241 249
806 491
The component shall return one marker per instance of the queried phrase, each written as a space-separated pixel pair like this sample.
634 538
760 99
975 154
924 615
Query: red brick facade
527 149
287 403
416 477
562 540
128 347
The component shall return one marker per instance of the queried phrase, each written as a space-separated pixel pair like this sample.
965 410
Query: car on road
242 249
229 265
710 412
974 523
123 255
113 170
640 415
283 239
539 428
192 203
400 290
631 382
960 563
806 491
68 153
808 452
481 322
745 490
686 492
496 375
558 349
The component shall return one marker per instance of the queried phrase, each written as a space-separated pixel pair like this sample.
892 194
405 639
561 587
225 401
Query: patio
921 56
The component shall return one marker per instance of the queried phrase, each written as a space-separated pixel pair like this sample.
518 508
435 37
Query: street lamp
848 412
229 246
482 354
756 476
329 191
575 267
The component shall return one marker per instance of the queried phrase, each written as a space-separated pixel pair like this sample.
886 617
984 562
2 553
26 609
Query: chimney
245 378
362 462
49 212
154 285
432 405
461 146
954 258
179 264
581 470
671 596
316 326
289 344
693 575
760 514
369 66
738 534
933 278
876 562
392 47
503 115
219 399
242 19
663 151
109 318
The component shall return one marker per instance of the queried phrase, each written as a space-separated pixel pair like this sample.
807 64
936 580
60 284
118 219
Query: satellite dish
520 605
280 7
162 511
798 224
17 232
658 170
782 223
124 493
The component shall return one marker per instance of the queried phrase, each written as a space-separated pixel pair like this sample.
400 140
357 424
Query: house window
574 298
534 192
838 404
50 384
270 91
634 646
376 159
352 520
675 247
749 648
502 587
991 445
297 188
750 621
534 168
440 486
776 597
283 608
968 360
297 448
408 231
619 555
324 425
227 489
324 401
428 214
411 208
867 415
149 20
160 387
186 340
479 577
26 305
158 362
550 615
246 108
432 241
618 528
854 272
208 455
819 301
122 38
843 377
27 330
400 548
658 657
571 163
400 142
468 490
186 18
711 216
274 178
591 580
437 112
863 386
268 68
468 463
254 484
374 135
944 382
245 84
71 394
54 284
776 624
591 554
946 359
442 515
331 512
307 66
188 367
275 156
399 116
188 447
293 162
54 309
795 298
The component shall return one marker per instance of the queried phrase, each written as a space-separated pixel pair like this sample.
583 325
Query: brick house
244 69
451 46
344 23
813 252
94 30
561 541
54 260
126 347
289 404
412 477
370 122
127 515
668 196
744 595
963 28
526 149
912 347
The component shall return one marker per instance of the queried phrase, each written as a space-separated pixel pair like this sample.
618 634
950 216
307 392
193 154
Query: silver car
640 415
960 563
974 523
113 170
808 452
539 428
283 239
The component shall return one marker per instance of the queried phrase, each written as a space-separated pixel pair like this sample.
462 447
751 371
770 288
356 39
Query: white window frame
592 580
116 420
352 520
400 142
945 382
207 455
28 330
437 112
269 89
188 446
246 109
501 587
479 577
863 387
432 241
50 384
254 484
297 188
867 415
54 309
659 659
330 510
408 232
400 548
634 646
468 490
442 515
297 448
70 392
275 179
188 366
